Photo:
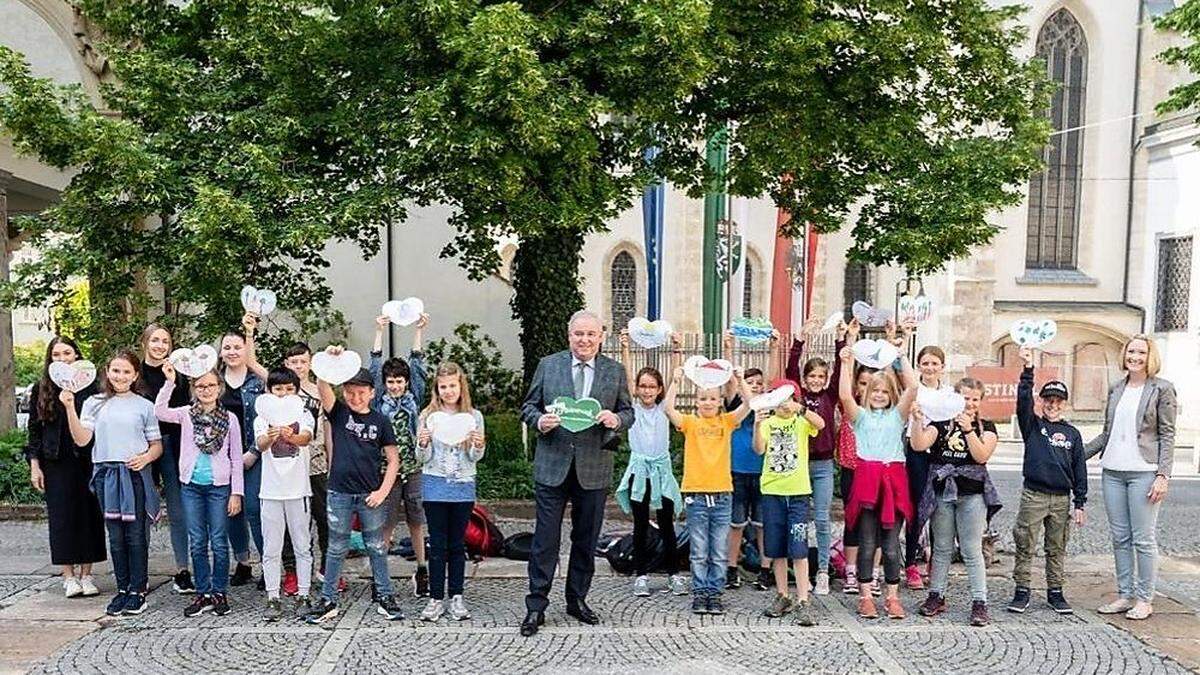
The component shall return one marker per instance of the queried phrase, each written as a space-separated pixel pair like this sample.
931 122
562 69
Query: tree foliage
1185 20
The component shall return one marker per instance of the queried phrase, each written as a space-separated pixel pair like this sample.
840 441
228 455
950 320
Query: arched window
623 289
856 285
1053 224
748 290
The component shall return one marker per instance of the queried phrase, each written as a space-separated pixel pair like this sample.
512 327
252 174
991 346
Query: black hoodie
1054 461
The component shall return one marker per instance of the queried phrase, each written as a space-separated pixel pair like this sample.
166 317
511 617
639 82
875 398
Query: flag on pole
781 276
739 222
653 201
716 154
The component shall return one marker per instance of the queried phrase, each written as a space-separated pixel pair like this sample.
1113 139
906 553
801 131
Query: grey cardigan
1156 425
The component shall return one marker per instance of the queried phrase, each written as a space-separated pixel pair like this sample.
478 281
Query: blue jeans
965 517
785 526
340 507
708 529
1132 520
250 517
168 469
820 473
207 520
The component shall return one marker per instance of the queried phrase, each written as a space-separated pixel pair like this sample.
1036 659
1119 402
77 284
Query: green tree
1185 20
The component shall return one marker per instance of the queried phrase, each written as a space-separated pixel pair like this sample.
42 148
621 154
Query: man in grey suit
575 467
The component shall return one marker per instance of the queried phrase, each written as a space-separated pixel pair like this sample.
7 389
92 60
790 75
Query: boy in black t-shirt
361 439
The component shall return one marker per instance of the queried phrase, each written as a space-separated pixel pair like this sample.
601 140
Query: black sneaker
386 606
117 604
1058 603
261 585
241 576
303 606
699 604
220 604
1020 601
135 604
420 582
202 603
183 583
322 610
715 605
733 580
764 581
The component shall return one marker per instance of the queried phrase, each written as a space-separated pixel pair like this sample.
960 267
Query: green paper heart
578 415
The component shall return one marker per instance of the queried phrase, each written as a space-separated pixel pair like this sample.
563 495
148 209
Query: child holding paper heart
211 474
931 363
649 482
448 484
298 359
708 485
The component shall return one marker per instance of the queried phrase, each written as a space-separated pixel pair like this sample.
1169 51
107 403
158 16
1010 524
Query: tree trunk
546 285
8 399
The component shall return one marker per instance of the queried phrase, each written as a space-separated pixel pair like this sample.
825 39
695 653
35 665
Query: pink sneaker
912 577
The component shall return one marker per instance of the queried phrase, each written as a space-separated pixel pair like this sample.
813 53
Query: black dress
75 522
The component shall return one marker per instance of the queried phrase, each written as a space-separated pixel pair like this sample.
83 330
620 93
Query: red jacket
882 487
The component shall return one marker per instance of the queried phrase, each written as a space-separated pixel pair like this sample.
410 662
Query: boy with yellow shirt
708 485
782 438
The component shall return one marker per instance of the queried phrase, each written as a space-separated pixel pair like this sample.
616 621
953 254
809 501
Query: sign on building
1000 389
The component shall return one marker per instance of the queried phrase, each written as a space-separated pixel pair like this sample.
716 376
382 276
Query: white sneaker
876 584
458 609
677 584
641 586
1118 606
433 611
89 586
72 587
822 583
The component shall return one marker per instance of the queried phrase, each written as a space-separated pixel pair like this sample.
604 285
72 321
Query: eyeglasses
198 387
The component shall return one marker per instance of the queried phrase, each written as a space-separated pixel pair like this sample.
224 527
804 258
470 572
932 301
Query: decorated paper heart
916 309
870 317
940 405
706 373
649 334
194 362
261 301
875 353
74 377
336 369
450 429
403 312
576 414
279 411
752 331
1033 332
772 399
832 322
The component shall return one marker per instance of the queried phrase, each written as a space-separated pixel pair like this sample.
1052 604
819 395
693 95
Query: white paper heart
772 399
336 369
916 309
74 377
868 316
279 411
450 429
1033 332
707 374
832 322
261 301
940 405
875 353
194 362
649 334
403 312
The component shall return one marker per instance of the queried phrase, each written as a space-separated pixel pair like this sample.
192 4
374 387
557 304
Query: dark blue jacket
1054 461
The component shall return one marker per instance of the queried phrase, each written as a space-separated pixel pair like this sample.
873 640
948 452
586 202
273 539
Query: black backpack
517 546
620 552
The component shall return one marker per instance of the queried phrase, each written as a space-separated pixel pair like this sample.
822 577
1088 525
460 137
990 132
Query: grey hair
584 314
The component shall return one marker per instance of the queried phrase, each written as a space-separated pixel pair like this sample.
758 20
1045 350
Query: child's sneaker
291 584
89 586
386 606
200 604
182 583
1020 600
135 604
302 607
895 610
979 613
242 575
641 586
323 610
71 587
851 585
934 604
677 585
274 610
420 582
458 609
804 614
877 584
699 604
220 604
1118 606
780 605
342 585
764 581
117 604
866 607
822 587
715 605
433 610
912 576
733 580
1058 603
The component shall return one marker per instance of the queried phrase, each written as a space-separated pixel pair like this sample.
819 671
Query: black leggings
871 536
916 465
641 530
850 536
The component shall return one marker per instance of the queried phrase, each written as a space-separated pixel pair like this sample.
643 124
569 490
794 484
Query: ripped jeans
340 509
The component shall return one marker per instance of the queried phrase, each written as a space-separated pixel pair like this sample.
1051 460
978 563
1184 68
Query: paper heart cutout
875 353
75 376
649 334
193 362
752 331
450 429
403 312
940 405
261 301
279 411
832 322
915 309
575 415
868 316
706 373
336 369
1033 332
772 399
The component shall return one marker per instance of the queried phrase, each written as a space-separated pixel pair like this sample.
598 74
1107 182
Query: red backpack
483 538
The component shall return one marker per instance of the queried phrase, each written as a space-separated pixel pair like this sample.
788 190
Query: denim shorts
785 526
747 500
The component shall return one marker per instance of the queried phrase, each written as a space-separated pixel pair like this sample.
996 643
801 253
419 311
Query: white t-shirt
1122 452
284 477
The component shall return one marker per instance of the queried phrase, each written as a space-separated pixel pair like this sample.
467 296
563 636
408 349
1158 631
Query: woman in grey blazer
1136 449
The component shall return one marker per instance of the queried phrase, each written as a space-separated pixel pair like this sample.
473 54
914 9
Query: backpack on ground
483 538
517 546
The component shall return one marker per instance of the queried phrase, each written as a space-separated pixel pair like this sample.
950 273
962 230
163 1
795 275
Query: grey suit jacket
1156 422
588 449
